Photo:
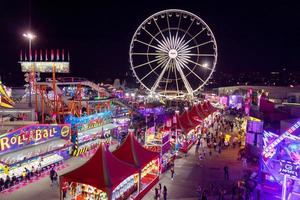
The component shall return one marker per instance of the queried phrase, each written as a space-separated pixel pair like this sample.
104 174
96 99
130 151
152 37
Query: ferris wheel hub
173 53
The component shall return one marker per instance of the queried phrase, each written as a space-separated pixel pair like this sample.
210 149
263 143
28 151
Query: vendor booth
145 161
189 124
31 146
102 177
89 129
160 143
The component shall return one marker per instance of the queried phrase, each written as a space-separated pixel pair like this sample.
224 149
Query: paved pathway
189 174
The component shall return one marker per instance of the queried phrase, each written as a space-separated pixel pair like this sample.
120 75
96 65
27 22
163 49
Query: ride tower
38 63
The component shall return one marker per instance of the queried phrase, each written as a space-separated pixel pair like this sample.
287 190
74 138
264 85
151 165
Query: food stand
160 143
40 144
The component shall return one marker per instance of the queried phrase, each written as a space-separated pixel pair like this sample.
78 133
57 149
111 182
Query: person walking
156 194
204 195
159 189
172 173
226 173
165 192
52 172
65 189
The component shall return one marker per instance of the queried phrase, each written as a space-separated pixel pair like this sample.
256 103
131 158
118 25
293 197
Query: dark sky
250 36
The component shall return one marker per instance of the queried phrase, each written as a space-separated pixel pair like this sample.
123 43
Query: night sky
250 36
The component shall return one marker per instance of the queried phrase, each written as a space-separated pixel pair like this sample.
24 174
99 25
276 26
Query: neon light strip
269 150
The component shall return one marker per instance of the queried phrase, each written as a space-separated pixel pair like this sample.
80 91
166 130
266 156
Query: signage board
45 67
33 134
289 168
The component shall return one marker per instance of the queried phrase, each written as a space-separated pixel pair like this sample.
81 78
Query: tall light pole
30 36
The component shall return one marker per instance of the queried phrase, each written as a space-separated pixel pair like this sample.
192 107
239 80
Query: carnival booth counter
102 177
34 146
160 143
145 161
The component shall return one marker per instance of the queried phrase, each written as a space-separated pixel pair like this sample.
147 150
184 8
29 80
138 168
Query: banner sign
289 168
92 124
86 119
32 134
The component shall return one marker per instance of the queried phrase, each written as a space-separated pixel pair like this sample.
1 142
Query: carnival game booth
146 162
89 129
102 177
160 143
43 145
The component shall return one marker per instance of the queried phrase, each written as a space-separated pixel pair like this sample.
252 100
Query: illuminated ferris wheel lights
165 54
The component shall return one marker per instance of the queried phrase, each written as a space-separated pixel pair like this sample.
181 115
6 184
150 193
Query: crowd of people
13 179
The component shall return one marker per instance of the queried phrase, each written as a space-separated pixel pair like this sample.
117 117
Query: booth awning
103 171
132 152
190 119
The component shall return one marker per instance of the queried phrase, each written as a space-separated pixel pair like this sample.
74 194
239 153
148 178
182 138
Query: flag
57 54
30 55
41 54
63 54
46 55
35 55
52 54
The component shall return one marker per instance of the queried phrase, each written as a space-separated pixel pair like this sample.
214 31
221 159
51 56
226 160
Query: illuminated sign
289 168
70 119
92 124
32 134
45 67
269 150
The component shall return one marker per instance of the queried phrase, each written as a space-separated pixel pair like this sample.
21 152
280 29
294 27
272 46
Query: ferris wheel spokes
146 63
163 50
160 30
200 65
185 81
152 70
155 85
185 65
144 28
199 45
186 43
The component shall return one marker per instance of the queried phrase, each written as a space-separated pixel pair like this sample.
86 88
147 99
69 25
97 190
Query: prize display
44 163
124 189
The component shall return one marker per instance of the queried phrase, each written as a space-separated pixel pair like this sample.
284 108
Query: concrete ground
189 175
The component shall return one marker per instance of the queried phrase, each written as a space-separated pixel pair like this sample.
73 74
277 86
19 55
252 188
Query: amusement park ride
51 96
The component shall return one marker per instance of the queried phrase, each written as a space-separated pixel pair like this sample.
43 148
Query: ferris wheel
173 53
